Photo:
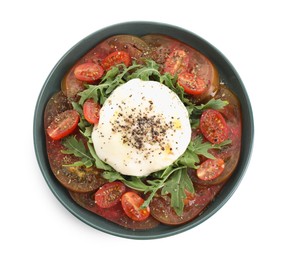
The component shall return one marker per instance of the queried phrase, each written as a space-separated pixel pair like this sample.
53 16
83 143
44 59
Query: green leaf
87 132
93 91
77 107
201 148
133 182
145 73
189 159
169 80
78 149
196 147
112 86
176 186
111 74
98 162
216 104
113 176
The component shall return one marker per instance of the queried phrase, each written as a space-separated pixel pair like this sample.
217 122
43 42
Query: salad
143 132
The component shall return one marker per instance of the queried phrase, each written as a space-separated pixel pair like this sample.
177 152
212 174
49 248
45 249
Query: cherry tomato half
63 124
191 83
116 58
213 126
109 194
131 203
210 169
177 62
88 72
91 111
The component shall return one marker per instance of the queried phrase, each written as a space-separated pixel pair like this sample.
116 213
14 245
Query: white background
34 36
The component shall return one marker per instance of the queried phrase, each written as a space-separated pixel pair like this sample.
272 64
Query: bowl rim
38 129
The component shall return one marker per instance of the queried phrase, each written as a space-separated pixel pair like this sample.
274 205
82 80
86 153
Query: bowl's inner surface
52 85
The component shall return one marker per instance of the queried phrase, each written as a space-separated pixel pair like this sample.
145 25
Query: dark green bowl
52 85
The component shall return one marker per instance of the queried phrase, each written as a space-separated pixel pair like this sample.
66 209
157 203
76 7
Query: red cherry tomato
63 124
210 169
116 58
191 83
109 194
91 111
131 203
88 72
177 62
213 126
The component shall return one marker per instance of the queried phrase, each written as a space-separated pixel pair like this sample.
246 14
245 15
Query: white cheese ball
143 128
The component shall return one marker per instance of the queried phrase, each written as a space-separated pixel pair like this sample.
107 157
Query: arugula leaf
171 82
88 157
157 184
152 186
197 147
133 182
97 161
78 149
216 104
97 92
189 159
113 78
111 74
145 73
201 148
86 128
178 183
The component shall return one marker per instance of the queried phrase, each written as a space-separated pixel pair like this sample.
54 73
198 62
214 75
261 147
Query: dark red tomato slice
63 124
131 44
177 62
91 111
76 178
161 209
160 47
210 169
191 83
229 153
115 58
213 126
70 85
115 214
131 203
109 194
88 72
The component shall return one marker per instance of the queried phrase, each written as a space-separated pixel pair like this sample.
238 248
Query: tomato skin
210 169
116 58
189 197
115 214
109 194
131 203
131 44
177 62
162 211
88 72
191 83
91 111
63 124
213 126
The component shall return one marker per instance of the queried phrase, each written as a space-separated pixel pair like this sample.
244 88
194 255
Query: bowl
52 85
